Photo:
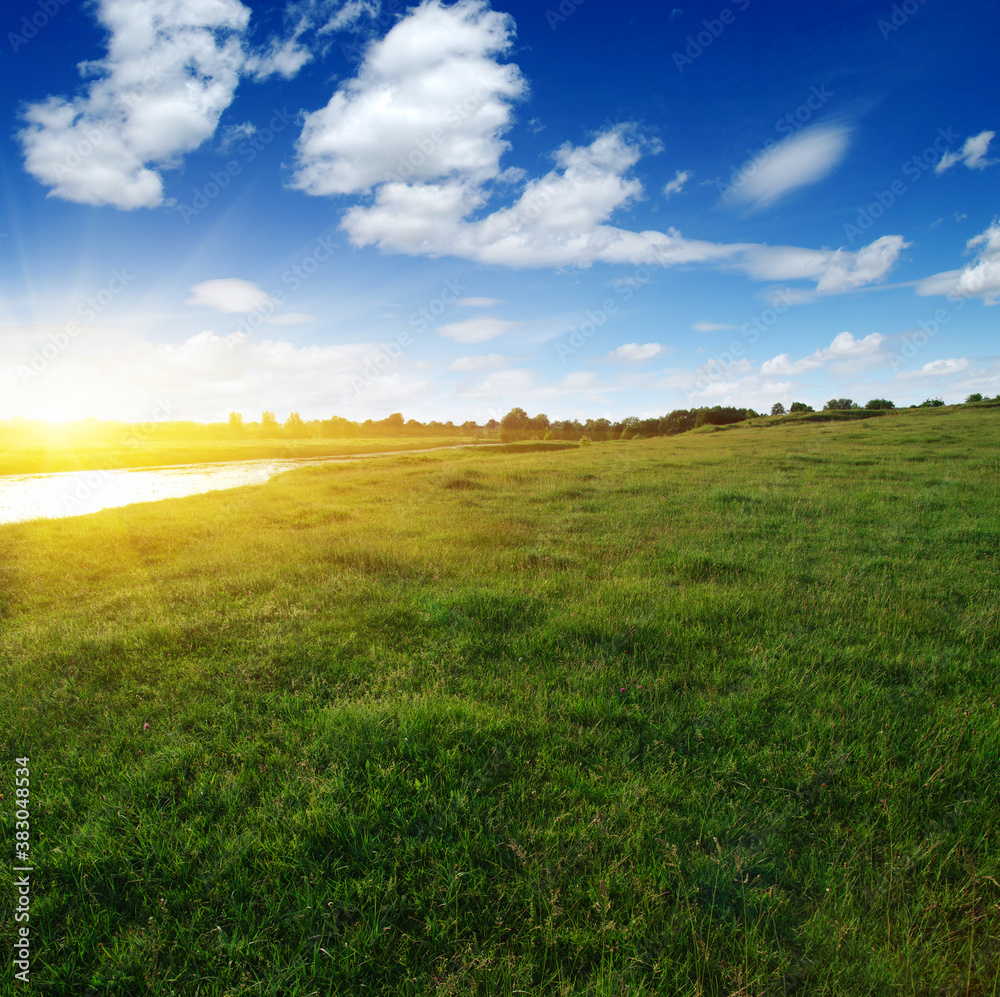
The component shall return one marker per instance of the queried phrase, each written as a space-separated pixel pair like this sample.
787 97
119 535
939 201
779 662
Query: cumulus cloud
476 330
429 101
798 161
230 295
171 70
677 184
979 279
635 353
936 368
972 154
833 271
423 145
845 347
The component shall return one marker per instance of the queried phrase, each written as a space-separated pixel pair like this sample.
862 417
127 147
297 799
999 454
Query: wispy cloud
798 161
476 330
636 353
712 326
676 185
972 154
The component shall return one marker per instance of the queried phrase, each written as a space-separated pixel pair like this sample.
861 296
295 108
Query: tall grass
705 715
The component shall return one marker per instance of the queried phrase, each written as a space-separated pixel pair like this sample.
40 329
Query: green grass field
712 714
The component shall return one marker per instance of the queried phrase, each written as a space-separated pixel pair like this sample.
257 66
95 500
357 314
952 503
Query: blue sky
449 209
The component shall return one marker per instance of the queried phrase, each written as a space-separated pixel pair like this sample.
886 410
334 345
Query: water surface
76 493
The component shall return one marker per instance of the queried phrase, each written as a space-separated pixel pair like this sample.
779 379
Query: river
77 493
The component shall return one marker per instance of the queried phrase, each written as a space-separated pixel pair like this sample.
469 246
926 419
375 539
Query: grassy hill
711 714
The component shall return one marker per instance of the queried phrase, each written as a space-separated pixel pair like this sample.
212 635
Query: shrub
880 403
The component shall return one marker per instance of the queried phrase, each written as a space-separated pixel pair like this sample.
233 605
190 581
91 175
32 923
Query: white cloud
798 161
407 131
490 361
349 15
512 382
979 279
636 353
171 70
712 327
282 57
476 330
429 101
936 368
834 271
209 375
676 185
972 154
845 347
478 302
230 295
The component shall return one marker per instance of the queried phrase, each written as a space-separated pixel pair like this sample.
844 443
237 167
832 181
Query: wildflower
145 726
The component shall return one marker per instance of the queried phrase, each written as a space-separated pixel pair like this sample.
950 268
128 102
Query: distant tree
880 403
268 424
974 397
538 424
470 428
931 403
679 421
236 420
513 424
597 429
294 426
491 426
777 409
630 427
801 407
337 427
840 405
394 423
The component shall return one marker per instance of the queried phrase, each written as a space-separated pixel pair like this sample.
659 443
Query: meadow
713 714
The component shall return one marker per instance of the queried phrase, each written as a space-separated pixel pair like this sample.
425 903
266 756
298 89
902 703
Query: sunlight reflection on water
76 493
